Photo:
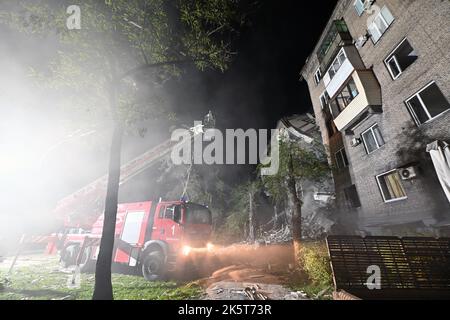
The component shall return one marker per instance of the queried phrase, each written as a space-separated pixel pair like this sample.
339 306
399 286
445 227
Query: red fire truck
152 237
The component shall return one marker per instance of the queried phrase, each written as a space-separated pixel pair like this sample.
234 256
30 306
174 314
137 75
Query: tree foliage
122 38
299 163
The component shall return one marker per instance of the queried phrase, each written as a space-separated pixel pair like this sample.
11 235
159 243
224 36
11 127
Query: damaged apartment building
317 196
379 83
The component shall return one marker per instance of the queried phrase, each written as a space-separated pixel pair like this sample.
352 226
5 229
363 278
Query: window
359 6
337 63
132 227
391 186
177 214
427 104
324 98
341 159
196 214
317 76
372 139
343 98
352 197
168 213
331 127
380 24
401 58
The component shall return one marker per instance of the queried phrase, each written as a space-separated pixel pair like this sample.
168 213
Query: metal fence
410 267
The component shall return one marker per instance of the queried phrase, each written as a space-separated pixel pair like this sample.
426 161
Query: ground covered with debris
240 272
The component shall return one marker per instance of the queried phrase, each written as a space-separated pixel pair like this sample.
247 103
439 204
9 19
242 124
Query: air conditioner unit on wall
355 141
408 173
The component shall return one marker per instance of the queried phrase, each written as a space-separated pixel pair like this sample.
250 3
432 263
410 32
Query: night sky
262 84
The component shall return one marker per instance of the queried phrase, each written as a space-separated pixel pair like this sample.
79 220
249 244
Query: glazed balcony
366 100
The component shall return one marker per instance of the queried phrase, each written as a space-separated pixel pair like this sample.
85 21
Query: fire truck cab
152 237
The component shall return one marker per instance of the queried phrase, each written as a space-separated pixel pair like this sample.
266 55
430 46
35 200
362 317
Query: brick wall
425 24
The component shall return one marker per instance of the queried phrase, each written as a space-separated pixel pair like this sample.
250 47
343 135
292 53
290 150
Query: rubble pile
315 225
284 234
228 290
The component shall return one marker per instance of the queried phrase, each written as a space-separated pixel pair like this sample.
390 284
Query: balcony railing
336 37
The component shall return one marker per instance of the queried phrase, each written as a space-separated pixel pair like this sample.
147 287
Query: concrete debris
231 290
316 225
253 293
296 295
281 235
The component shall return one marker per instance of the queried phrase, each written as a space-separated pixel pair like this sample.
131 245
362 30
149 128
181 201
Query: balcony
366 102
343 65
336 37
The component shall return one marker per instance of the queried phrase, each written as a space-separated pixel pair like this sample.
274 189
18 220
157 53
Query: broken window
427 104
352 197
391 187
341 159
372 139
331 127
401 58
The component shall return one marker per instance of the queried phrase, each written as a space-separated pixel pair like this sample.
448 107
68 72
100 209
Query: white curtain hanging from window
440 155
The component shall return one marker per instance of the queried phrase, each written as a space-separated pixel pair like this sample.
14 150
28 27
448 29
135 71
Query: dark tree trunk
103 285
275 217
296 213
251 222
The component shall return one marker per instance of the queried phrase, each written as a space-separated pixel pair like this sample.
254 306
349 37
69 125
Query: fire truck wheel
153 268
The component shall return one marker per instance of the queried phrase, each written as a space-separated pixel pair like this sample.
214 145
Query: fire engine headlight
186 250
209 247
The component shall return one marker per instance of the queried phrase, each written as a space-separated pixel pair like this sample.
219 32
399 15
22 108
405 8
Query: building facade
379 82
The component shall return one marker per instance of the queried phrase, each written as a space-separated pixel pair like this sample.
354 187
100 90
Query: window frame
324 94
374 136
379 15
348 192
167 210
342 51
362 3
422 104
377 177
392 55
126 231
318 78
387 63
336 159
346 103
